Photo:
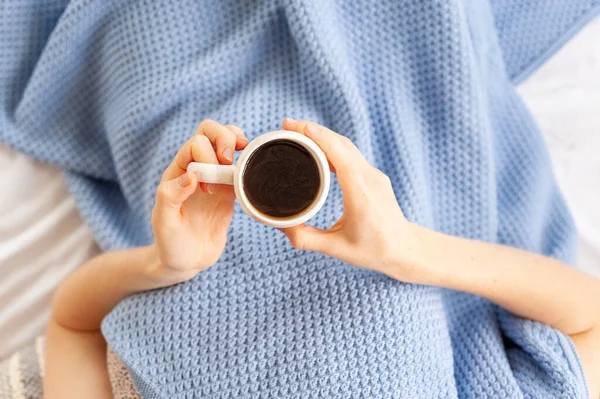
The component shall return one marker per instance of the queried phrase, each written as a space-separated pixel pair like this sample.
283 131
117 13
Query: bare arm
76 350
529 285
373 233
526 284
190 223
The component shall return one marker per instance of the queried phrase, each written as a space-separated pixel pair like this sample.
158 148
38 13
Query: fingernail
239 135
210 188
313 129
228 154
290 121
183 180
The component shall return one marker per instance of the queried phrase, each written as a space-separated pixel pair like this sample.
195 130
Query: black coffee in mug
281 178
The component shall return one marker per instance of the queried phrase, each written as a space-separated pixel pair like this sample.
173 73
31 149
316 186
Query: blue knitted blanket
109 90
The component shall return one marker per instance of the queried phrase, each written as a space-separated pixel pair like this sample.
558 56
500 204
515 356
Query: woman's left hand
373 232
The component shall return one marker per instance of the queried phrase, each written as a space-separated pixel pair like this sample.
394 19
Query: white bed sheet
564 97
43 239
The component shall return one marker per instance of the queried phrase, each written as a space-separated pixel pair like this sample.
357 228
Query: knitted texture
109 90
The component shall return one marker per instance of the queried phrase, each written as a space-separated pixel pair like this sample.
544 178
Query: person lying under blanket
190 222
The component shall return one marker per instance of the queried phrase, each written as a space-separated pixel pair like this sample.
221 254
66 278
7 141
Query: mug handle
211 173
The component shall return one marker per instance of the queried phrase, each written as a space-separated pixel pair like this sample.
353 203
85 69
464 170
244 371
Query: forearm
75 348
88 295
529 285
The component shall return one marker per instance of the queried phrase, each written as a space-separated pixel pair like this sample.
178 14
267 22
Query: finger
241 141
342 154
298 126
309 238
203 152
196 149
339 149
170 195
221 137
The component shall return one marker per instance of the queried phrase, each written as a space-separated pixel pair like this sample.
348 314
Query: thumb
171 194
308 238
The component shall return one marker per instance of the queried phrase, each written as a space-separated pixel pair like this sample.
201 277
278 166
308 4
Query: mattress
43 239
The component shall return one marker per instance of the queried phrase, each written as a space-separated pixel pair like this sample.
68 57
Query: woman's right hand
190 219
372 232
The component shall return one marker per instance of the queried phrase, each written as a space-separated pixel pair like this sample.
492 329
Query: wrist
161 274
415 260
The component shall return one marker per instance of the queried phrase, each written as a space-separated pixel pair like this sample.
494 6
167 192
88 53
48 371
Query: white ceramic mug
232 174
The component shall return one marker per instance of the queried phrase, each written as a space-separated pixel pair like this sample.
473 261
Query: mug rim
324 174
